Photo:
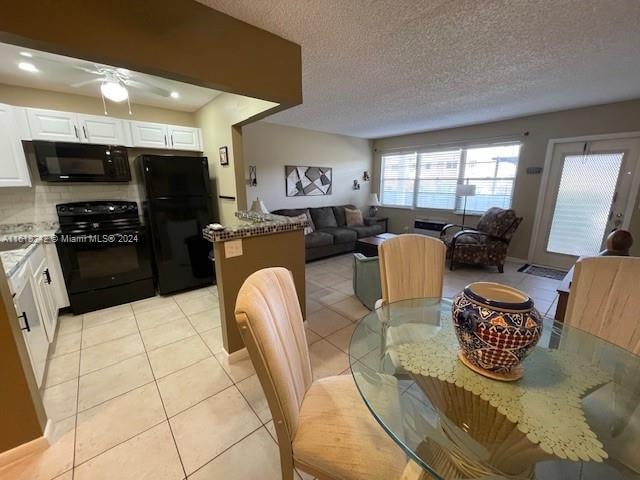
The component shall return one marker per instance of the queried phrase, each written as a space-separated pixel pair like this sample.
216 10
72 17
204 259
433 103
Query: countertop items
25 236
250 224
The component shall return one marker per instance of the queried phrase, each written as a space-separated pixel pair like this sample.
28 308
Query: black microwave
81 162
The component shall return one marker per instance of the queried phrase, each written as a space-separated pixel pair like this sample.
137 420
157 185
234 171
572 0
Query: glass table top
573 415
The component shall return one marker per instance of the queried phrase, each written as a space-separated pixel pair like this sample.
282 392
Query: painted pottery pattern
491 337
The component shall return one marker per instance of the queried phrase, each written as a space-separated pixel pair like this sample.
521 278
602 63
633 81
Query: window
398 179
428 178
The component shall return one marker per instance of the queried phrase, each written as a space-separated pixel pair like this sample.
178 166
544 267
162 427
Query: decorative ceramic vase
497 326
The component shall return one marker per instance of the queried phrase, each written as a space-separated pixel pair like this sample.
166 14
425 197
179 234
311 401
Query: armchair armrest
479 234
448 226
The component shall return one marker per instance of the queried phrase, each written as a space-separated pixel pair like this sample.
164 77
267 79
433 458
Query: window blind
428 178
437 179
492 170
398 179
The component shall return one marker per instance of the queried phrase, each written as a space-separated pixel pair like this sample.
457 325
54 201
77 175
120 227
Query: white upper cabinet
13 162
149 135
171 137
103 129
77 127
184 138
53 125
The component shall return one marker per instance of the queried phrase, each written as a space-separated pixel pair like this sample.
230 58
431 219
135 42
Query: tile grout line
164 408
75 426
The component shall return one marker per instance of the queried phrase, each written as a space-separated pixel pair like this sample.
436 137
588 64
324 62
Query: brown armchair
486 244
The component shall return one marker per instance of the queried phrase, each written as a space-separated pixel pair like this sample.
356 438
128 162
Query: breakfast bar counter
251 243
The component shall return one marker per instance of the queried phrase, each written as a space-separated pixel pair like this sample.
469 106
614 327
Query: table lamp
258 206
374 203
465 191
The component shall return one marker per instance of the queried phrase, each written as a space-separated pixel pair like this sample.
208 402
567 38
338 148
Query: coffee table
368 246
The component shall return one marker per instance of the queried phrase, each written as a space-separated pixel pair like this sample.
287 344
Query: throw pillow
310 220
354 217
301 218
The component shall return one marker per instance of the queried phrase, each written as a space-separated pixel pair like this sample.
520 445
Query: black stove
104 254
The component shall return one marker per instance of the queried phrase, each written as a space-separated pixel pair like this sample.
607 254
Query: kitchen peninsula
254 242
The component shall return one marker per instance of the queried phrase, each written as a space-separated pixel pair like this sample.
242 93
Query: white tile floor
144 391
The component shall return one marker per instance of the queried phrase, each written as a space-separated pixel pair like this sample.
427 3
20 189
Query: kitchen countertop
248 224
33 234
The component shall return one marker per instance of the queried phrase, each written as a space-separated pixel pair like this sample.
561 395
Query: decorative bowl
497 326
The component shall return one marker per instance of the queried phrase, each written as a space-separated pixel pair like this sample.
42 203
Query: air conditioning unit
425 226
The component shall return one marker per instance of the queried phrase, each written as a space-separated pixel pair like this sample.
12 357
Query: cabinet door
44 296
13 162
59 289
150 135
32 329
105 130
53 125
184 138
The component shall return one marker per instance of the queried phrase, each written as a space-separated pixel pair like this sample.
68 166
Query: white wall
270 147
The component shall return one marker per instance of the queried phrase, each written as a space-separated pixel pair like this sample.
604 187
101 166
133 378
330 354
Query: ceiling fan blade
148 87
86 82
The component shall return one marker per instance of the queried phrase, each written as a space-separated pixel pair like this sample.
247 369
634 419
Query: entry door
588 195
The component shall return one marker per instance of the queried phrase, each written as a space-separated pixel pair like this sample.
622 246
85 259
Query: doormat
543 271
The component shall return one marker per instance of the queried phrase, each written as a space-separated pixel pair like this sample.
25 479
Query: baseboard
517 260
20 452
236 356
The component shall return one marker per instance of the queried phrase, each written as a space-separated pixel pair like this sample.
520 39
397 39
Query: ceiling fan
116 82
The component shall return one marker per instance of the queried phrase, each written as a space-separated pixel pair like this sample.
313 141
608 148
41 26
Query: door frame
544 182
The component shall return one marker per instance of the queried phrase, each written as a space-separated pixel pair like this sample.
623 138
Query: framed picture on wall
224 156
308 181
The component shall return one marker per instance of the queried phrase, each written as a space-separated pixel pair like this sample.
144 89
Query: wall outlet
233 248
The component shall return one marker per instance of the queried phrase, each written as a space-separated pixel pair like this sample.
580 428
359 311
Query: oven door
103 259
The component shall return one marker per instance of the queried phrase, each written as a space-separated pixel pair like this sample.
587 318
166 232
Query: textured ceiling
373 68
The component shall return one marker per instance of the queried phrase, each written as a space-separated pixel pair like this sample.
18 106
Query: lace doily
545 403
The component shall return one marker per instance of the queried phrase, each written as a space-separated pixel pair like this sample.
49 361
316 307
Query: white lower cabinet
30 321
39 292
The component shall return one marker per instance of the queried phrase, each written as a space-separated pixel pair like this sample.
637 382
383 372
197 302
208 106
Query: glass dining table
573 415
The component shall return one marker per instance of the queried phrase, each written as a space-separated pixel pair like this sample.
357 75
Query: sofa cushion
323 217
290 212
368 230
354 217
338 212
341 235
318 239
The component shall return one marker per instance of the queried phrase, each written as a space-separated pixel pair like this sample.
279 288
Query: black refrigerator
177 205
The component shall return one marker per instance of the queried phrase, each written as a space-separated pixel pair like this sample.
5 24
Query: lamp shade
258 206
373 200
465 190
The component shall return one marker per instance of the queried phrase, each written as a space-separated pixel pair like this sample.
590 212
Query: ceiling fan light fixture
114 91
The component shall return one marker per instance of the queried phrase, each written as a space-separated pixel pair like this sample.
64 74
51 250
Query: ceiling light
114 91
28 67
26 54
175 95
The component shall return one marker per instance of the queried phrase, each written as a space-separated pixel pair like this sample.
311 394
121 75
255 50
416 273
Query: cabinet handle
84 130
171 137
165 140
26 322
75 129
47 276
